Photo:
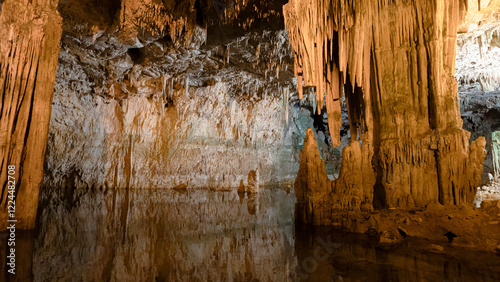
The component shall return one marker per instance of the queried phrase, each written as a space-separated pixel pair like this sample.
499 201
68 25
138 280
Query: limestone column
30 33
396 62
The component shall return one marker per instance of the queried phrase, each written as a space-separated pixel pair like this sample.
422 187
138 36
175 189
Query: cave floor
203 235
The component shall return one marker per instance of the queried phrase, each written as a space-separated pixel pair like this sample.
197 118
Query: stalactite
158 18
285 91
396 61
164 91
29 42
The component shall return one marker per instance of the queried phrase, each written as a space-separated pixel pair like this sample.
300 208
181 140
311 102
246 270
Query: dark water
200 235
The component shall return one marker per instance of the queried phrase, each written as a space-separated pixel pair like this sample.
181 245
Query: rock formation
480 112
160 115
30 32
241 188
396 62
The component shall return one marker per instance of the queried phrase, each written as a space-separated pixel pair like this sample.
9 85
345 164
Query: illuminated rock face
29 43
396 62
478 48
165 118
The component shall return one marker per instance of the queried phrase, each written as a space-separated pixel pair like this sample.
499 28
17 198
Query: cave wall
395 61
164 95
174 117
30 33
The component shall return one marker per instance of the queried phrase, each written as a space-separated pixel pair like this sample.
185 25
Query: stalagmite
396 62
29 41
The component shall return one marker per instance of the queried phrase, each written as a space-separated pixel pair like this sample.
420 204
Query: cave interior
177 140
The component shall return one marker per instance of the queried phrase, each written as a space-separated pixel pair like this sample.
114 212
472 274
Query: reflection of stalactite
164 228
241 196
253 203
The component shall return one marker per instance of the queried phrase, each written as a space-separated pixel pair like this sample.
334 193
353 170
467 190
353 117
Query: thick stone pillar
30 33
396 62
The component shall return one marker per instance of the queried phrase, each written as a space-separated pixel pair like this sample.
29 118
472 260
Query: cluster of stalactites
230 10
157 18
333 41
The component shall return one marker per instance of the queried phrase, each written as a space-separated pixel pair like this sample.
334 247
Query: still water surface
202 235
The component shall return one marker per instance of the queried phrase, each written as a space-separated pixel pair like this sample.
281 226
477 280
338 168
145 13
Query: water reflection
201 235
166 236
327 255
